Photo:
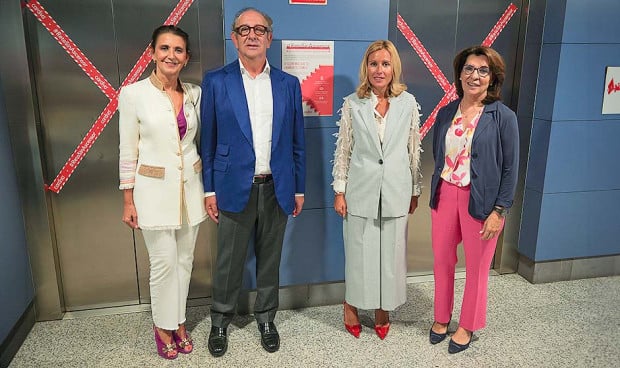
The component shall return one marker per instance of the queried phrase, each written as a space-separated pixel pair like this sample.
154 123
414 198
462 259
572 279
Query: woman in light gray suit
376 184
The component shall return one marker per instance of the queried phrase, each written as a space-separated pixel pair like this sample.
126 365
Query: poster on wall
313 63
611 94
308 2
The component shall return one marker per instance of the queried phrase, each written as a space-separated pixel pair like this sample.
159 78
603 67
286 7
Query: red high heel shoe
166 351
354 330
382 330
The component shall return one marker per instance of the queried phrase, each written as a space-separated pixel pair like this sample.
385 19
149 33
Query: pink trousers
451 224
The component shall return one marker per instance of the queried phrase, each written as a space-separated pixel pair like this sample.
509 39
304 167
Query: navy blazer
494 157
226 143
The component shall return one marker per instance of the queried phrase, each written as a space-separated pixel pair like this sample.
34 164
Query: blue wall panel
16 290
547 80
581 80
574 225
582 156
554 21
319 155
528 236
539 147
593 21
338 20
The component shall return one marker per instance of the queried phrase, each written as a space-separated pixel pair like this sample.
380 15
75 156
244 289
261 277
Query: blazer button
474 176
380 161
474 155
180 167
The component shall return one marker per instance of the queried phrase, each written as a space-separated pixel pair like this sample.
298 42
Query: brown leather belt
262 179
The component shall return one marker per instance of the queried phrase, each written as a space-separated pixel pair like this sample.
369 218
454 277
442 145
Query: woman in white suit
160 175
376 184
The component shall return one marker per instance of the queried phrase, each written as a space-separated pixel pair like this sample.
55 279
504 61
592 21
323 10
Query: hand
492 226
299 203
413 204
130 216
340 205
211 207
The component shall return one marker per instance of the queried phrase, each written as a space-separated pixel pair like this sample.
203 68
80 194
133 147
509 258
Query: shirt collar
266 71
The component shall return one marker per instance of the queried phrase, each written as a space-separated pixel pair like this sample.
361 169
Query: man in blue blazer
252 148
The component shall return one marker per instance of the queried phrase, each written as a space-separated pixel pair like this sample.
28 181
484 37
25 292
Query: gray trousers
264 215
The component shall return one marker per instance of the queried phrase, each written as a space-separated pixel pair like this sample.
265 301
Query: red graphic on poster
317 91
613 87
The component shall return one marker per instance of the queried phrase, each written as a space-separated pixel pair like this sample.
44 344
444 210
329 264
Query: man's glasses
245 30
483 71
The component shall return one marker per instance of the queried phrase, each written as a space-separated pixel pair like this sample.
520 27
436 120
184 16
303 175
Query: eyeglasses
259 30
483 71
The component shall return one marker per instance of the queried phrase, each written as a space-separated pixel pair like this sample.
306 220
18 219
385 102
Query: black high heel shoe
454 347
436 338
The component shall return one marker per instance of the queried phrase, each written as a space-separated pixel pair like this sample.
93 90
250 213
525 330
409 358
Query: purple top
182 123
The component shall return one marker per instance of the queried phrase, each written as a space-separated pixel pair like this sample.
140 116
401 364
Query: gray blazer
494 157
380 173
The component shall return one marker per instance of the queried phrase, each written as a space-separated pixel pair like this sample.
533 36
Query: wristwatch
500 210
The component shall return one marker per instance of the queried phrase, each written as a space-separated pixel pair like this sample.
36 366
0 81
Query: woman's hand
340 204
492 226
413 204
130 216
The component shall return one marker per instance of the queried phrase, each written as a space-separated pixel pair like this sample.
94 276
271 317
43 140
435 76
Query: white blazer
164 171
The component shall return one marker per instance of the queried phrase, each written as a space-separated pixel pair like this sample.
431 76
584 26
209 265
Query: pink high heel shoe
166 351
185 345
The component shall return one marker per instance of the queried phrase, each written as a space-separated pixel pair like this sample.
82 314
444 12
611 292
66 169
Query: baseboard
568 269
17 336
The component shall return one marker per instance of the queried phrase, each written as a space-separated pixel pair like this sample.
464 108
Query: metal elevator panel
100 263
445 27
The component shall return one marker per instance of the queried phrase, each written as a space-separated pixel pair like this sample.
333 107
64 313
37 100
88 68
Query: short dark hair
168 28
262 13
496 66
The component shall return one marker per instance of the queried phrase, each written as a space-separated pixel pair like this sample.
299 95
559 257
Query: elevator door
102 262
445 27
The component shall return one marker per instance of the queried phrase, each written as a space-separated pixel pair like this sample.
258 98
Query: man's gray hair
265 15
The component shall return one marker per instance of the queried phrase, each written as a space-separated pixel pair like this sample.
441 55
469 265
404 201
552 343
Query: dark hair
170 29
263 14
496 66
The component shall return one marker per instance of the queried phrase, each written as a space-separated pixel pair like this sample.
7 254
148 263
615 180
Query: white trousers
171 254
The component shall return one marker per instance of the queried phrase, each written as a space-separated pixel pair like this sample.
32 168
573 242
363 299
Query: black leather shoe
269 337
218 341
454 348
436 338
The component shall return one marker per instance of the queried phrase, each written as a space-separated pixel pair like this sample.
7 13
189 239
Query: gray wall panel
23 126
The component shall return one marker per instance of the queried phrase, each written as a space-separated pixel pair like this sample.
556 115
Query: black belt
262 179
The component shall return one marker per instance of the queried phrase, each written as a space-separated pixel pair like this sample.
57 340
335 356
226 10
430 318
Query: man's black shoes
218 341
269 337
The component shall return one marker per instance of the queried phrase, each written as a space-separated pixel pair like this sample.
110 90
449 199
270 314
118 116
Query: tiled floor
563 324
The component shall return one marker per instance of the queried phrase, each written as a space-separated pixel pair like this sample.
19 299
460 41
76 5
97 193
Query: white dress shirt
260 106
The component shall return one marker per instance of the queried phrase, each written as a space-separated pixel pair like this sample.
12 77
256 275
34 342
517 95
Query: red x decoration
98 79
431 65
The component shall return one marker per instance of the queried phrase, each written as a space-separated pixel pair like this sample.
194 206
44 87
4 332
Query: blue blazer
226 138
494 157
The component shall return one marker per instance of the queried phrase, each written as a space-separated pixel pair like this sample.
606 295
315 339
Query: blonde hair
396 87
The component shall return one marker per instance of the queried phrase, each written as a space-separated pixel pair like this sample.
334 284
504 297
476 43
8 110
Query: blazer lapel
236 94
364 109
394 117
485 121
280 99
